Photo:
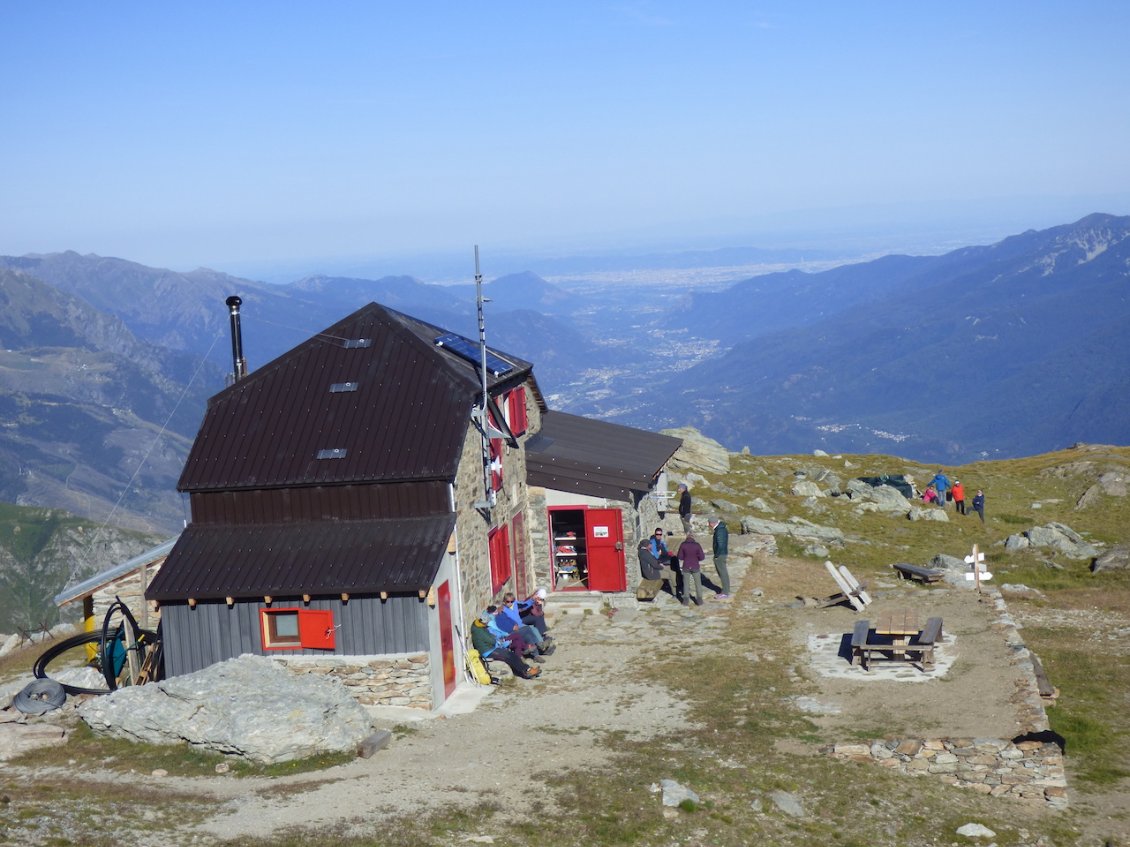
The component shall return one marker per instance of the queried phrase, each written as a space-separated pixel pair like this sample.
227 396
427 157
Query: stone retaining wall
400 680
1028 767
1030 770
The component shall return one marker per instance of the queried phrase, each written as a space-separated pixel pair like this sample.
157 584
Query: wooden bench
865 642
926 640
908 571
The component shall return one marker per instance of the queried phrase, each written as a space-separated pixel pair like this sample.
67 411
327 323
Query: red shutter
499 542
516 406
316 628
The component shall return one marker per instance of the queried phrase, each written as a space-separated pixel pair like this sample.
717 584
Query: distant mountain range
1015 348
1011 349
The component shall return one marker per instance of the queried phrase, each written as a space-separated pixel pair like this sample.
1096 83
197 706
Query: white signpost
979 570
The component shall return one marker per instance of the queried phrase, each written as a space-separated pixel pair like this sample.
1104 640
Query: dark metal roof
586 456
405 420
213 561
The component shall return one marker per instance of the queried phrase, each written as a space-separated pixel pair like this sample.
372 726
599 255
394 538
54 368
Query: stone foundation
400 680
1028 767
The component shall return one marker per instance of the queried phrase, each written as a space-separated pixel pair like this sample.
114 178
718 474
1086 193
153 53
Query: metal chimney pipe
239 364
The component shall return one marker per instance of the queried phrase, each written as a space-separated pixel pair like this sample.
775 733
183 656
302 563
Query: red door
445 641
604 540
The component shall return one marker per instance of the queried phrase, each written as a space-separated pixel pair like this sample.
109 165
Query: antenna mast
481 413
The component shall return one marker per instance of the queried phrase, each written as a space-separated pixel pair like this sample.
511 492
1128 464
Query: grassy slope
742 751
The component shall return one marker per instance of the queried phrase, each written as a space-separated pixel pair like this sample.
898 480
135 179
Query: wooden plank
845 588
1042 682
857 587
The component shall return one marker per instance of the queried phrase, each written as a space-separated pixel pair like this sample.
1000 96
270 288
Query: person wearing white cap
532 610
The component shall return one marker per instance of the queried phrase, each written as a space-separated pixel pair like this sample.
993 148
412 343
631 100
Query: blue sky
231 133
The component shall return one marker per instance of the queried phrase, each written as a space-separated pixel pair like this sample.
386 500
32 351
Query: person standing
959 496
941 485
979 504
685 507
691 556
721 544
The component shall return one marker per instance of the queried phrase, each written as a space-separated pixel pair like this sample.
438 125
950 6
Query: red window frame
516 409
315 628
499 544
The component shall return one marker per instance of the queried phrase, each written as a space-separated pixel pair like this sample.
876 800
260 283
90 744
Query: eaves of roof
321 558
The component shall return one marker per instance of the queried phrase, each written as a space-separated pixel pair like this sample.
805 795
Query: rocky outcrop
249 707
794 527
1055 536
929 513
882 498
698 452
1110 484
1116 558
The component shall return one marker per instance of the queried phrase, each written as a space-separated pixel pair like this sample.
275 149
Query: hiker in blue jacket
941 485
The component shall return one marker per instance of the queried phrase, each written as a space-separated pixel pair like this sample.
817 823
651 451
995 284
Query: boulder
1116 558
724 506
887 498
1016 542
247 706
794 527
760 504
1062 539
929 513
698 452
806 488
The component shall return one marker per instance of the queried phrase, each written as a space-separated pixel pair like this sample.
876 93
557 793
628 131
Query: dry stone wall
400 680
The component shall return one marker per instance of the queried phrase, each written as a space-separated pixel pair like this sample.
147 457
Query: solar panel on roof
465 348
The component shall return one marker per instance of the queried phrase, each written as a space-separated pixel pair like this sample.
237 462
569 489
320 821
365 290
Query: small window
335 453
288 629
343 387
356 343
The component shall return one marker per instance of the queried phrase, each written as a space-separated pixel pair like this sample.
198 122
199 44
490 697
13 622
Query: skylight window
343 387
332 453
356 343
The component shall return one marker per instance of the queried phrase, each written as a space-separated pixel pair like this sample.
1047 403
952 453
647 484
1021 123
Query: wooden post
131 655
976 570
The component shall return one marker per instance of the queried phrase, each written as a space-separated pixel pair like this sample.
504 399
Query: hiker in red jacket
959 496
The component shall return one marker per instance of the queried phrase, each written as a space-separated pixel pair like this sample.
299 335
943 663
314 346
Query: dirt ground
587 691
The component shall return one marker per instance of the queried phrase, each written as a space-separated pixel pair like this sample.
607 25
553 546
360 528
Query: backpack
478 669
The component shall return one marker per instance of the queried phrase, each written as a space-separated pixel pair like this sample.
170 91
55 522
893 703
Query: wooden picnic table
896 635
898 623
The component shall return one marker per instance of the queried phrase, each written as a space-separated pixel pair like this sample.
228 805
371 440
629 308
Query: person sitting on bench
509 620
651 567
532 611
489 647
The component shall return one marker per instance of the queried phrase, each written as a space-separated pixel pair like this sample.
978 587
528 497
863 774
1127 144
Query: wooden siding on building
214 632
322 502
